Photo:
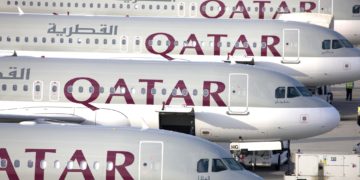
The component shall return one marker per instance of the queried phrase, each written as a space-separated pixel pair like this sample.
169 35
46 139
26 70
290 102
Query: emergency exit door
151 160
238 93
291 46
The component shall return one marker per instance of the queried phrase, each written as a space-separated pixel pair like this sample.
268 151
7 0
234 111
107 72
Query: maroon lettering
150 41
240 8
271 47
262 8
217 40
129 159
79 157
215 95
184 94
192 43
311 7
149 87
9 169
39 156
122 85
245 46
204 5
282 9
93 97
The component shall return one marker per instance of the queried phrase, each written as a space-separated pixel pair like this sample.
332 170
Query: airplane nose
331 118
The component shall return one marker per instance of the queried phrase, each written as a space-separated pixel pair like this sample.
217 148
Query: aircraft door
193 9
181 9
38 90
151 160
291 46
54 91
238 93
326 6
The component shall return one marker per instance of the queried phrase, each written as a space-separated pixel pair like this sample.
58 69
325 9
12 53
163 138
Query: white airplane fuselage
311 54
346 14
47 152
219 102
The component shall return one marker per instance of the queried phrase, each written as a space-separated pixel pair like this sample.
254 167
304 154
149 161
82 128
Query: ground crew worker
349 88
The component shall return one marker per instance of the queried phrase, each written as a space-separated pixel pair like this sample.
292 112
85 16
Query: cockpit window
336 44
232 164
218 165
326 44
203 165
280 92
346 43
292 92
304 91
356 9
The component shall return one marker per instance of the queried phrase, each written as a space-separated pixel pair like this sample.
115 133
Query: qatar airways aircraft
345 13
217 101
312 54
92 153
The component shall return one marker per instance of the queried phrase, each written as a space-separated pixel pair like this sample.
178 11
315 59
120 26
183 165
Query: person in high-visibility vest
349 88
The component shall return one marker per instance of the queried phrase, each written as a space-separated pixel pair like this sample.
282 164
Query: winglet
21 12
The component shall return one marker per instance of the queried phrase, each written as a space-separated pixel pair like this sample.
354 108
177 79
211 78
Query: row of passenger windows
81 89
291 92
124 41
336 44
57 164
218 165
142 6
153 91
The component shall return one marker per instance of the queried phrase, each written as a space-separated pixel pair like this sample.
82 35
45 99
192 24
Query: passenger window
356 9
114 41
163 91
57 164
96 165
3 163
30 163
109 166
153 91
37 88
69 89
83 165
122 90
218 165
280 92
326 44
206 93
184 92
43 164
91 89
3 87
14 87
102 89
26 88
17 163
336 44
54 88
292 92
70 165
203 165
143 90
112 90
35 39
195 92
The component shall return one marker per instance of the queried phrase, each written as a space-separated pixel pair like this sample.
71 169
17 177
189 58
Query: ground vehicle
271 154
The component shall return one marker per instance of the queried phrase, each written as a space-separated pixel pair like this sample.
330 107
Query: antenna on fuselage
14 54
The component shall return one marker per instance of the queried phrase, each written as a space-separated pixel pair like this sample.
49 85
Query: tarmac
341 140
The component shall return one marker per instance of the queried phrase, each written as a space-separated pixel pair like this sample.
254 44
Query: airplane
220 102
342 16
312 54
82 152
